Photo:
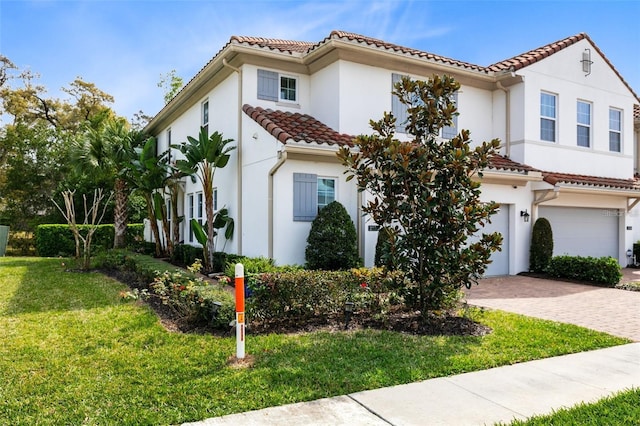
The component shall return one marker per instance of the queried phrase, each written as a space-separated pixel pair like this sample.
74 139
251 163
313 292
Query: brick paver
610 310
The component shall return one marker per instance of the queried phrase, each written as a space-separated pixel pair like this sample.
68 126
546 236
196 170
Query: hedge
601 270
57 239
193 299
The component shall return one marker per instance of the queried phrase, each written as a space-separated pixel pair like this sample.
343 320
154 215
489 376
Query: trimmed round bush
332 243
541 250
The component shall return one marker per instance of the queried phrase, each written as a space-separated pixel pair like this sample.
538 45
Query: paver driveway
610 310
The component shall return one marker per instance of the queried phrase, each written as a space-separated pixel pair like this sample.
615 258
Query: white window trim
554 119
297 90
588 126
620 132
202 117
191 209
335 188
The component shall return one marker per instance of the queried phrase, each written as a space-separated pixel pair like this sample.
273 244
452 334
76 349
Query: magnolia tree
424 194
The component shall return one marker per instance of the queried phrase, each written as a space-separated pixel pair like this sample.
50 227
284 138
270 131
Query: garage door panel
583 231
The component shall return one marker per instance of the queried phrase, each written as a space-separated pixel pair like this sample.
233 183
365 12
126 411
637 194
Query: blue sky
124 46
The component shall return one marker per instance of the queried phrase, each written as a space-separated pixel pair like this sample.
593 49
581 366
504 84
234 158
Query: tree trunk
154 224
120 214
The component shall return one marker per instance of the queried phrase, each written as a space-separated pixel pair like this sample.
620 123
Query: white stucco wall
561 74
290 236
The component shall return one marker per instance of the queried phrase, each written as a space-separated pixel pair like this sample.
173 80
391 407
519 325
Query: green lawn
620 409
73 352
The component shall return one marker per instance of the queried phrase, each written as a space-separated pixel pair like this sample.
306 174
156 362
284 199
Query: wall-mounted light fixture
524 214
586 62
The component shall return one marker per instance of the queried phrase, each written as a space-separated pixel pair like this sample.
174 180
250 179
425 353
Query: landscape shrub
21 244
601 270
185 254
332 243
541 250
189 297
57 239
303 295
255 265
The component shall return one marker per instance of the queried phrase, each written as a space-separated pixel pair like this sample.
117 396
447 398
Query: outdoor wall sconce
348 310
524 215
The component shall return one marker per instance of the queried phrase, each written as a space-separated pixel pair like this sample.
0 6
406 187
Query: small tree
202 157
332 243
541 250
92 217
424 193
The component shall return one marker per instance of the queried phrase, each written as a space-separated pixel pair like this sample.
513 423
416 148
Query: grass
620 409
73 352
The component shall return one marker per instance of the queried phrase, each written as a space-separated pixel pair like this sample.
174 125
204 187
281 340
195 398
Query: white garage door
499 259
583 231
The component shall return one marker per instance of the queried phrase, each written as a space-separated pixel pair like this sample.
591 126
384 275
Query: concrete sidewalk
484 397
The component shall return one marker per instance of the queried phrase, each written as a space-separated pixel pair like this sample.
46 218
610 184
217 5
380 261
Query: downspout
239 149
282 157
507 130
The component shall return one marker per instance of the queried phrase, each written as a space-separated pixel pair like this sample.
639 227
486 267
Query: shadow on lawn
42 284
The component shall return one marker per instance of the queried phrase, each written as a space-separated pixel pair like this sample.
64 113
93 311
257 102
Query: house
568 121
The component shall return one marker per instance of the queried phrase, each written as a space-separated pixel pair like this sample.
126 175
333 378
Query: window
398 109
275 87
288 89
450 132
584 124
310 194
199 205
169 149
205 115
615 130
215 199
548 117
191 210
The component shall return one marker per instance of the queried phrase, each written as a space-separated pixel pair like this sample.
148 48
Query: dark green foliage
57 240
541 245
384 251
189 297
185 255
424 192
601 270
332 243
312 295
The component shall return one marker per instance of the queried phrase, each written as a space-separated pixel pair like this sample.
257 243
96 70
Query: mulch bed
400 320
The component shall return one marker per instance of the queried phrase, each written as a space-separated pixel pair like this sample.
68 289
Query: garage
499 259
583 231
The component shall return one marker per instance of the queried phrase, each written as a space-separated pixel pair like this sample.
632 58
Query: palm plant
202 157
108 150
148 173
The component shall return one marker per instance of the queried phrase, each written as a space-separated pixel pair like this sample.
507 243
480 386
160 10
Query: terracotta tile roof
380 44
591 181
500 162
274 44
636 112
535 55
299 127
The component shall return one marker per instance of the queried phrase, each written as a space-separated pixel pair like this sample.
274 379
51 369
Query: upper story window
450 132
204 122
584 123
169 149
548 116
215 199
191 215
276 87
615 130
398 109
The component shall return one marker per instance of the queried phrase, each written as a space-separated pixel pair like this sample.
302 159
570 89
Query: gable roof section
286 126
532 56
383 45
274 44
